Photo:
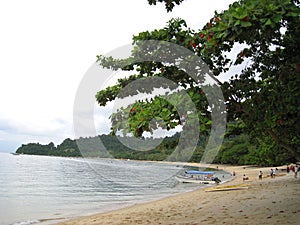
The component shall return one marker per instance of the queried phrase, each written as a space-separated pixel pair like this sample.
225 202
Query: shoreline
253 201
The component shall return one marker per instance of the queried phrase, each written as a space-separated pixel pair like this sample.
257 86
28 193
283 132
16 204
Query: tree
264 95
168 3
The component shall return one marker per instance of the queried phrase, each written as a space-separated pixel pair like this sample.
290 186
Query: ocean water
42 189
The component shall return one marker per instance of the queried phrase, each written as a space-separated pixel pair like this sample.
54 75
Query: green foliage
237 149
111 144
264 95
169 4
67 148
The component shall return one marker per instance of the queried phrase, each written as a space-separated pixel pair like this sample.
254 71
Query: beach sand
267 201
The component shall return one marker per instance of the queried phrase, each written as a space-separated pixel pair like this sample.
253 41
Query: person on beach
245 178
260 175
271 173
274 172
296 171
292 168
287 169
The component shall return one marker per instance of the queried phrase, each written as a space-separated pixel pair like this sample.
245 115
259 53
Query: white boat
198 177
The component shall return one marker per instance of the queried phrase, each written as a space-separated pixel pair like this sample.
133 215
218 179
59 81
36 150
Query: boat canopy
195 172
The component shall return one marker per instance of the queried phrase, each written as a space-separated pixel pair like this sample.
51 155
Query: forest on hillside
236 149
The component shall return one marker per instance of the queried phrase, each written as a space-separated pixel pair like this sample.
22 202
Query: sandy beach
253 201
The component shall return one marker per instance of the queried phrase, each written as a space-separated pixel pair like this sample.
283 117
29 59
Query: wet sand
253 201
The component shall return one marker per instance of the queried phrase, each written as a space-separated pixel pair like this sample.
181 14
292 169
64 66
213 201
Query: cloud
14 133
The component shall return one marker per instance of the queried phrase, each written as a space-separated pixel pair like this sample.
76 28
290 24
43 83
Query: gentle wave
27 222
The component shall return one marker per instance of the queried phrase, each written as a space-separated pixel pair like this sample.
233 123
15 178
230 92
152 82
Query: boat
198 177
228 188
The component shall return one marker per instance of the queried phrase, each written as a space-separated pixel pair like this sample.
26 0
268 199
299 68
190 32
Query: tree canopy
264 95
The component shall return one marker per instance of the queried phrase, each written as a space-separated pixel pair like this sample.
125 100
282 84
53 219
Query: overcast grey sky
46 47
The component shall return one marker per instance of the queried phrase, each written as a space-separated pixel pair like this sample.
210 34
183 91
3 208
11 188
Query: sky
46 47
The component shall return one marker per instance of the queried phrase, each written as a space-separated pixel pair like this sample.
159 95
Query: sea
45 189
